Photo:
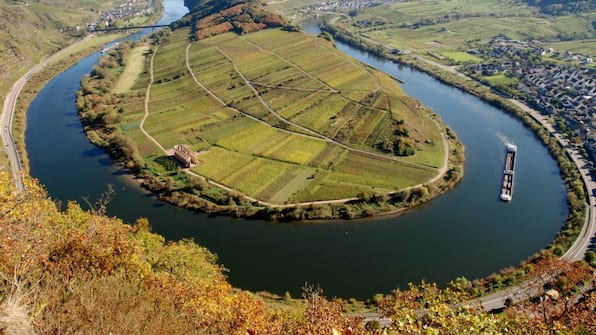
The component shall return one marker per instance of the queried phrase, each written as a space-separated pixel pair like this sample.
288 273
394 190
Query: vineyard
283 118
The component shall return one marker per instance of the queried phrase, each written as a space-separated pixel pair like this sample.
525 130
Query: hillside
434 29
33 30
563 7
77 272
276 124
208 18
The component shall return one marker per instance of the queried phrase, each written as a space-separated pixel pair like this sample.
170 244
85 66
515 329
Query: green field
281 117
461 57
500 80
445 26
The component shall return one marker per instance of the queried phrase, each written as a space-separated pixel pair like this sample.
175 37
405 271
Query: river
466 232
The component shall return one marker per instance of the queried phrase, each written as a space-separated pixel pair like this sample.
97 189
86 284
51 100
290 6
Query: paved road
8 111
581 245
6 119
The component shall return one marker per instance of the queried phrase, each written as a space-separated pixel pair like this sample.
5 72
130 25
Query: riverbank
472 231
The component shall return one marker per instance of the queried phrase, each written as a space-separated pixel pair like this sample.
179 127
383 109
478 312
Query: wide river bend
467 232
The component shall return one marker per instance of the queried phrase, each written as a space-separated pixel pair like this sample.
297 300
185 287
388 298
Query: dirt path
147 96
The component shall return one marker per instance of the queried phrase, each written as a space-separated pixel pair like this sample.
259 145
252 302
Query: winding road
8 110
581 245
10 103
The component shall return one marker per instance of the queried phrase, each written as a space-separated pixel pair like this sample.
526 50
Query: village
126 11
341 6
560 84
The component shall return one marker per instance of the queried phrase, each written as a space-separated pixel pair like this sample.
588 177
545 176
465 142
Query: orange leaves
232 11
214 30
326 317
243 18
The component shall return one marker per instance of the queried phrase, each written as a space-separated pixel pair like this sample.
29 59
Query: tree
562 301
427 309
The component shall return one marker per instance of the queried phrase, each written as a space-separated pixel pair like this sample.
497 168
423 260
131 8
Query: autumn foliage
76 271
242 18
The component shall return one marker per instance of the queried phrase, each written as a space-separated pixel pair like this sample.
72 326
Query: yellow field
134 66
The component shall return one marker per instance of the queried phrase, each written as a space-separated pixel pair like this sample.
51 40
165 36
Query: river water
467 232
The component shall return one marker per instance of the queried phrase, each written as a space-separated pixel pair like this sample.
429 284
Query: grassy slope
133 68
78 272
467 20
28 33
31 32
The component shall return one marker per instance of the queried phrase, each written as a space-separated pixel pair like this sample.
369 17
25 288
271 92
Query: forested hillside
210 17
33 30
30 31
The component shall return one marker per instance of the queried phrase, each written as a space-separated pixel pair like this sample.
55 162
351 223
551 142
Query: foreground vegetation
280 118
73 272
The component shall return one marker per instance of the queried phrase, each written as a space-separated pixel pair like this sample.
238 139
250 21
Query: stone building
185 155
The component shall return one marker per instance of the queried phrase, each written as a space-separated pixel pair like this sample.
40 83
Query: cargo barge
508 173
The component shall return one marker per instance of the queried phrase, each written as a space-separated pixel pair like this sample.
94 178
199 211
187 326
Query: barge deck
508 173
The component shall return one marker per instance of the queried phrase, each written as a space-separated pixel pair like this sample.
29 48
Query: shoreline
144 182
580 220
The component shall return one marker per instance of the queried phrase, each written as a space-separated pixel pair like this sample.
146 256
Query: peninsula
275 123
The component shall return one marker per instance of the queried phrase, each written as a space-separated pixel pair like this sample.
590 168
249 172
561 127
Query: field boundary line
350 60
321 136
223 103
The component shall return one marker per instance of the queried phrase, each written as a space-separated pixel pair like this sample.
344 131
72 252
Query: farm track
214 96
146 114
292 88
264 103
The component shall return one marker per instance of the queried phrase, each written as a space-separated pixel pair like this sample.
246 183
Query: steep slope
29 32
78 272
